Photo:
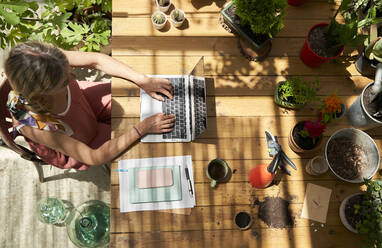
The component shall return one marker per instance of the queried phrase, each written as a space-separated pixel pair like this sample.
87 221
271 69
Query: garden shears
279 156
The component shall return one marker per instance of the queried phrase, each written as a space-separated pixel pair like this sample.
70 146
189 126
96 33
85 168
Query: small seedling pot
163 8
176 23
156 25
283 103
243 220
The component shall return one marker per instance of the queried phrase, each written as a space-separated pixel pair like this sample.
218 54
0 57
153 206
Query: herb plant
65 23
264 17
295 90
370 210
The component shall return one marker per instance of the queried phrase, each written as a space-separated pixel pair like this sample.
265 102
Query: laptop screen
199 68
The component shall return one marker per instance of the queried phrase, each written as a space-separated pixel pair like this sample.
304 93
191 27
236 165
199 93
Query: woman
66 122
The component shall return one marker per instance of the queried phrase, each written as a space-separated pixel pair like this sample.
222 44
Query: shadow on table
199 4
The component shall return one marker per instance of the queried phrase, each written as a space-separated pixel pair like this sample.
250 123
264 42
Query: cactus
158 18
177 15
163 2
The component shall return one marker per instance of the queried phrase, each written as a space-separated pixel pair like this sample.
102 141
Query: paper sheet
316 203
186 202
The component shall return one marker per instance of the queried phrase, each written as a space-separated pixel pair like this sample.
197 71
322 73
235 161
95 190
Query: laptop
188 105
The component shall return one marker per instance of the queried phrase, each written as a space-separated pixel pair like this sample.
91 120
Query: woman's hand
158 123
153 86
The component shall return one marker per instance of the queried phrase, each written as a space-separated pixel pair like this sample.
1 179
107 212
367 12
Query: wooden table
240 108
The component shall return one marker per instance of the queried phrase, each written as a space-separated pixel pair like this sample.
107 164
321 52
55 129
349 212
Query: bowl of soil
349 217
352 155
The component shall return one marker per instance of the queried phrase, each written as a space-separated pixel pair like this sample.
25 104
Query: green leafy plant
177 15
264 17
373 45
295 90
370 211
67 24
159 18
347 33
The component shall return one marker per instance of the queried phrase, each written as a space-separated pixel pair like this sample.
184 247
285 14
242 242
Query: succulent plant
163 2
159 18
374 50
177 15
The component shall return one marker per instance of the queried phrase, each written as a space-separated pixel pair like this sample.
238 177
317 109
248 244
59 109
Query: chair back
6 130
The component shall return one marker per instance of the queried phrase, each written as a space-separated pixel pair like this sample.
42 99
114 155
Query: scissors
279 156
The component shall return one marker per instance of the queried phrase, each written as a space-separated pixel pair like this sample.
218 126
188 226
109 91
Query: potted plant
332 108
163 5
362 213
372 53
306 136
326 41
177 17
158 19
256 21
294 93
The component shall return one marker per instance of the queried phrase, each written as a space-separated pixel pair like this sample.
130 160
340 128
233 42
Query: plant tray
239 30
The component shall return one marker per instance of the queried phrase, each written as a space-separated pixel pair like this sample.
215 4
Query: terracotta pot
296 148
308 56
296 2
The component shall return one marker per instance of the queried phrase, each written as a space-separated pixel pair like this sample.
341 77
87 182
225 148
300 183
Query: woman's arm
107 152
116 68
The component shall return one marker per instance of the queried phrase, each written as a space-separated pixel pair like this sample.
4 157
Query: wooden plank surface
240 108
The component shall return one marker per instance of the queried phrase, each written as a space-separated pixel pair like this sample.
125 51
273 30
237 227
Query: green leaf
60 20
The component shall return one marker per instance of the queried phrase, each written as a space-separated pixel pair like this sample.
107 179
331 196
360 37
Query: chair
8 136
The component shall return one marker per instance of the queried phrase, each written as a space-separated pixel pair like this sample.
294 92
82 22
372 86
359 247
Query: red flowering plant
314 130
330 108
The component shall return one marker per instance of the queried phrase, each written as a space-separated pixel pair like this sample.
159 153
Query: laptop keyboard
176 106
200 107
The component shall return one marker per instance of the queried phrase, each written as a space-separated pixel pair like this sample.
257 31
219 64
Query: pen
189 182
121 170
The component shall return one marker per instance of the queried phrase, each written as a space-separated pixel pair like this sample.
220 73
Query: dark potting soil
258 38
319 43
375 106
304 143
274 211
352 217
216 170
242 219
346 158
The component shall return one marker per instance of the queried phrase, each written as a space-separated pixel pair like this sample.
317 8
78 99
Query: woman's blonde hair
35 69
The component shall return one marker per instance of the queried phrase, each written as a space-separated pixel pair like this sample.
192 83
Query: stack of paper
136 198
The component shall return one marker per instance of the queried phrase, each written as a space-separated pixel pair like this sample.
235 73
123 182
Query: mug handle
213 184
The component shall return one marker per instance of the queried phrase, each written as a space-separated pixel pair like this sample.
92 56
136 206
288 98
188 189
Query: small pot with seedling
177 17
306 136
158 19
163 5
295 93
362 213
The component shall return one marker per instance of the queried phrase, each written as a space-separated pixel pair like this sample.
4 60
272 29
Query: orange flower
332 104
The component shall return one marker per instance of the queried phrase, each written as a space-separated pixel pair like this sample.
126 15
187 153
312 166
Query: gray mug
218 171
